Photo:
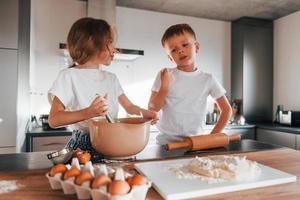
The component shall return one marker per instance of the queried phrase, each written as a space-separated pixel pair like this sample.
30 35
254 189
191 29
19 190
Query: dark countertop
40 132
229 126
245 145
39 160
278 127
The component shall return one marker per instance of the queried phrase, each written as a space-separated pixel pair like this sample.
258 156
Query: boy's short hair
177 29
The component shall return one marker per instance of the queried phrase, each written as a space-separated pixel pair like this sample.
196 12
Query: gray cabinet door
252 67
298 142
258 70
276 137
8 91
246 133
9 24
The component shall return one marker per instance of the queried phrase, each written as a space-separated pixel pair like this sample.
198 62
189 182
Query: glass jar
277 116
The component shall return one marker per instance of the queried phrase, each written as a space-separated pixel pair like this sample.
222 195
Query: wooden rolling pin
200 142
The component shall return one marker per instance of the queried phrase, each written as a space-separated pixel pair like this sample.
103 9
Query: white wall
137 29
50 23
287 62
142 29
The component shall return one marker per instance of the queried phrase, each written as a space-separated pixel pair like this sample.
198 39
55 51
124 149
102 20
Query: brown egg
83 177
101 181
137 179
83 157
73 172
77 151
118 187
59 168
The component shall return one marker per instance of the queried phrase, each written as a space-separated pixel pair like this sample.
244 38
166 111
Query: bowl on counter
122 139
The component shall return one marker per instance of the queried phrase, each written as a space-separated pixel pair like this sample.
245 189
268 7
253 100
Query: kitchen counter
39 160
40 132
36 134
29 170
230 126
279 127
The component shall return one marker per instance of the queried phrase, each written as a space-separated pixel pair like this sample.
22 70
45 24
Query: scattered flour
8 186
216 169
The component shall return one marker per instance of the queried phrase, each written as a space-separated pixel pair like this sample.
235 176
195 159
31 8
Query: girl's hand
150 115
165 78
98 107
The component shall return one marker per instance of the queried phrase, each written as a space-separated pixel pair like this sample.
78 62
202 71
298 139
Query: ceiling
227 10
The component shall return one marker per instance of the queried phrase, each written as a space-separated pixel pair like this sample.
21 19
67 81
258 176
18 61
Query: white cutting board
171 187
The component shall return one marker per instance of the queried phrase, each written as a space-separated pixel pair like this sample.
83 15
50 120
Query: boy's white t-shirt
184 111
77 88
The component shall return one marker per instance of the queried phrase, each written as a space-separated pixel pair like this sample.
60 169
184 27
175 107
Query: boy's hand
150 115
165 77
98 107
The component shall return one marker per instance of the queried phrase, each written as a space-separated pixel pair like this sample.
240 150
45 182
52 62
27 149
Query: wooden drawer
52 143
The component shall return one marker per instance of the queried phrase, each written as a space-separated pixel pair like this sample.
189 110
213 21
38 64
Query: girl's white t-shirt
77 88
185 106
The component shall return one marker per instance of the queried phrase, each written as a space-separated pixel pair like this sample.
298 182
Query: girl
84 91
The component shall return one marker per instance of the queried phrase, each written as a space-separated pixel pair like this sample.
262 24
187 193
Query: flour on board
8 186
218 169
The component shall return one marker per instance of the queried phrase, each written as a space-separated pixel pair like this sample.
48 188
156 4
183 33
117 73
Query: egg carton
137 192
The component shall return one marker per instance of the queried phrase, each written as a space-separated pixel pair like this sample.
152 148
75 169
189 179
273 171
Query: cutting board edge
192 194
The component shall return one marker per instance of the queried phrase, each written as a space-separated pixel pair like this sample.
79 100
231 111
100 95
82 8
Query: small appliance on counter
290 118
213 117
237 118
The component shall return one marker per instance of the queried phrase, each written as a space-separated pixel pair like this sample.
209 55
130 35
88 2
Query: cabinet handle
54 143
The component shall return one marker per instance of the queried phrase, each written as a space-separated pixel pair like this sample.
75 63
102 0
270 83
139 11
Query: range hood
106 9
121 55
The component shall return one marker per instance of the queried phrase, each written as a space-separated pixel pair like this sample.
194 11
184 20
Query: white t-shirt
184 111
77 88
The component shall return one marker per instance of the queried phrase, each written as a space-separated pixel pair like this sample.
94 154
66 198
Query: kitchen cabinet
53 143
252 67
14 75
298 142
38 139
9 24
8 88
276 137
9 73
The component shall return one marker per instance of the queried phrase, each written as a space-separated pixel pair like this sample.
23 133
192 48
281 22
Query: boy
181 93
